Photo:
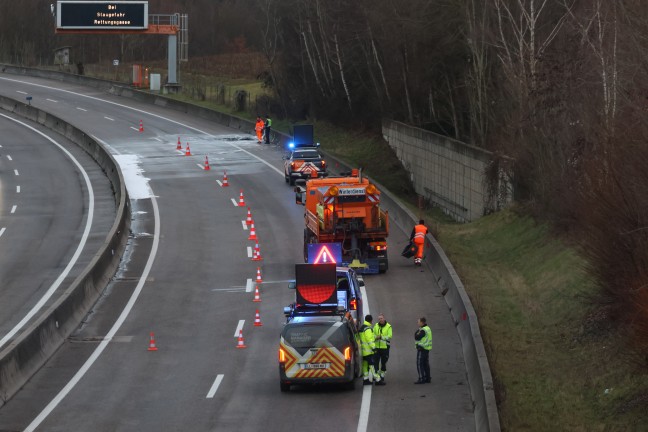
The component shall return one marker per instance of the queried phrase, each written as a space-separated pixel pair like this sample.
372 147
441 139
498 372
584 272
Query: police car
319 349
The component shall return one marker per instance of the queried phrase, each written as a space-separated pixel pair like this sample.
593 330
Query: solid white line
108 118
16 172
52 100
21 92
244 225
18 189
13 209
104 343
363 421
249 251
84 238
233 201
2 230
248 285
214 387
9 157
239 327
81 109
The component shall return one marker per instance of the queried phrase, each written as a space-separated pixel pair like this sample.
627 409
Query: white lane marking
21 92
82 109
9 157
2 230
51 100
16 172
219 183
157 139
108 118
201 167
233 201
214 387
180 152
239 327
233 289
134 128
244 225
248 285
363 421
13 209
18 189
77 253
231 144
249 251
104 343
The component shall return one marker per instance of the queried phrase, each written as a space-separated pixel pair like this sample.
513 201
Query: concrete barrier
25 355
463 314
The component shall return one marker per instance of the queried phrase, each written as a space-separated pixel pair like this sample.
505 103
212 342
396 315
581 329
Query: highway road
186 278
56 207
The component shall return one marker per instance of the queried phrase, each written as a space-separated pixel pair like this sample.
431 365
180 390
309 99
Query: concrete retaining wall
447 172
37 343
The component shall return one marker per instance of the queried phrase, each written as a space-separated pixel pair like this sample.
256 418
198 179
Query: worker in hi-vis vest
258 127
368 348
383 334
418 237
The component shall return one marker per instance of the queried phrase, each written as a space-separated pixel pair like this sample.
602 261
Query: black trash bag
410 250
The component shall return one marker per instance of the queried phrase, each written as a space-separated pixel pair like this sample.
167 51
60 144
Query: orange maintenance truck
346 210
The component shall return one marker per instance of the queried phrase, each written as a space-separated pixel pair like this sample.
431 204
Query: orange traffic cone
257 319
258 277
187 151
152 346
207 164
252 233
257 254
254 255
241 341
241 200
257 296
248 221
179 145
225 182
141 126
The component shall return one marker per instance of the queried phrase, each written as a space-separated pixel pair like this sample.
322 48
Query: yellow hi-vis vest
367 340
426 340
385 333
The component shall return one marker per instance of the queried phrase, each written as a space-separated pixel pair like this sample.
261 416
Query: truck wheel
291 181
284 387
286 177
383 265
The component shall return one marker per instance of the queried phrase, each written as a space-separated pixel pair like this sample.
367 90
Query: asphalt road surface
56 208
187 278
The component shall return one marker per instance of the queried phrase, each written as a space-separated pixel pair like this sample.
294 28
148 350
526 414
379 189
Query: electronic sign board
324 253
101 15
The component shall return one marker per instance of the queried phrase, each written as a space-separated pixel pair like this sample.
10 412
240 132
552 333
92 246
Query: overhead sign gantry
125 17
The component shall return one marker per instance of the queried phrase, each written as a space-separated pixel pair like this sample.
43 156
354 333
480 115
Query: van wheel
284 387
351 385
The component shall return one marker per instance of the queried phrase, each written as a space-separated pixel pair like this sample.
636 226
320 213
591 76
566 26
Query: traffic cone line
179 145
254 255
152 346
257 296
257 253
241 199
241 341
207 164
252 232
187 151
258 276
141 128
225 183
248 220
257 319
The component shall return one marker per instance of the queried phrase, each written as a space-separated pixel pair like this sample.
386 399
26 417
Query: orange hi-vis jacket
419 234
259 126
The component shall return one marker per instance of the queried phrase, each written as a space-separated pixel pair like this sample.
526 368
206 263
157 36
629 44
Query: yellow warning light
333 191
371 189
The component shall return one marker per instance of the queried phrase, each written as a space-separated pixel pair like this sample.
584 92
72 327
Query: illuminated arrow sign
324 253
